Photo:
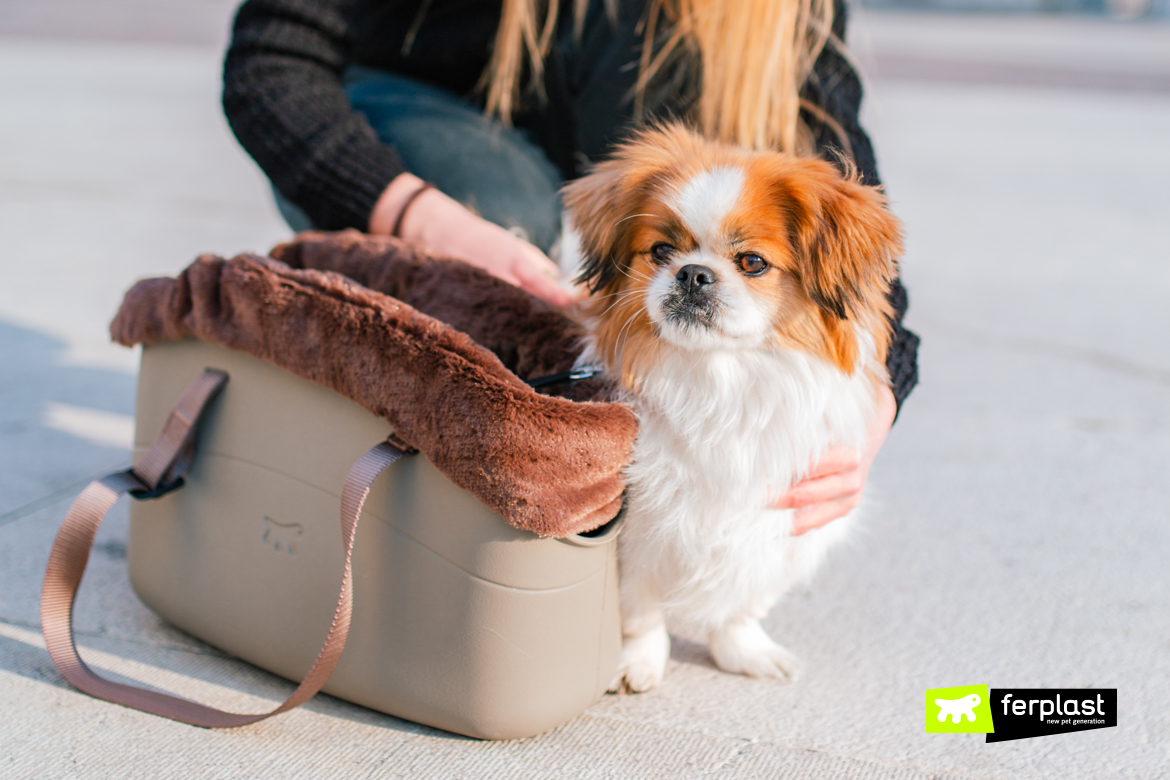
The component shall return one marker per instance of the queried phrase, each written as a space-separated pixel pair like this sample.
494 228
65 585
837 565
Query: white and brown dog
739 298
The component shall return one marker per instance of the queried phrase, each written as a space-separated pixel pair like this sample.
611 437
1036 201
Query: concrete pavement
1018 534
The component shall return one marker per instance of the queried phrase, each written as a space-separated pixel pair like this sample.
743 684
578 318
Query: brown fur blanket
435 346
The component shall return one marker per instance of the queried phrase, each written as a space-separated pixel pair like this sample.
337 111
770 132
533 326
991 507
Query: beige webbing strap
169 456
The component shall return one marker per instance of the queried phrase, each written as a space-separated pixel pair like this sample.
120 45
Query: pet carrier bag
479 592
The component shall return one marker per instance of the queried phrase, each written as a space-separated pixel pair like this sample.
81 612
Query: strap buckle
565 377
144 493
395 441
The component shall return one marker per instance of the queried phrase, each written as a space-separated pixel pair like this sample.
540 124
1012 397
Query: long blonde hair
754 55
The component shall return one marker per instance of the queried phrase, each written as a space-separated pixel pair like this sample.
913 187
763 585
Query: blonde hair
754 57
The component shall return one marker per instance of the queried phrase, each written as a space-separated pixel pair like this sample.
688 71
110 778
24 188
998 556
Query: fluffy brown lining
548 465
529 337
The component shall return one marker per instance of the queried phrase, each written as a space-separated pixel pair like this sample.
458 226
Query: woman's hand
448 228
834 487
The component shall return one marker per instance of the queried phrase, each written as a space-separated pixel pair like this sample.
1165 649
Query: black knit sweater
285 100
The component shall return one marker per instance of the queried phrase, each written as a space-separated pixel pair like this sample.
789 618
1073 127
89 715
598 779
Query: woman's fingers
548 291
828 488
835 460
815 516
837 473
540 279
539 261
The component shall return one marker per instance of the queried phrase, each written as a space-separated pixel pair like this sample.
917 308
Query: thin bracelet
426 185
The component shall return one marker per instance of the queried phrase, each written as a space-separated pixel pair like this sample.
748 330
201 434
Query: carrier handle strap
158 471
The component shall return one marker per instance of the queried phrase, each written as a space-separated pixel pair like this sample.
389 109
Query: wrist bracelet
426 185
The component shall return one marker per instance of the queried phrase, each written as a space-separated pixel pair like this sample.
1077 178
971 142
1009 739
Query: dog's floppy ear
595 205
845 240
602 204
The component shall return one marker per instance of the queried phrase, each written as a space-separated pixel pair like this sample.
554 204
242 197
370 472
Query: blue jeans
496 171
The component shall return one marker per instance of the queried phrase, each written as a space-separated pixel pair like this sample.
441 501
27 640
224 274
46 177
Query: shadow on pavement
33 662
38 461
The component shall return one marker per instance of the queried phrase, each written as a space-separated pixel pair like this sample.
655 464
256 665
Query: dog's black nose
693 278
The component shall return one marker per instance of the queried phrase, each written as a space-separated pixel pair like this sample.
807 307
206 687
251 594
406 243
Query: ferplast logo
1005 714
962 710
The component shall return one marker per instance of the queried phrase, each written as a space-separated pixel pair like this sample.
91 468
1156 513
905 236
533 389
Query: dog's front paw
642 663
745 648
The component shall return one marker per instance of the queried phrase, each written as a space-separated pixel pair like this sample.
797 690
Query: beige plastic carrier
460 621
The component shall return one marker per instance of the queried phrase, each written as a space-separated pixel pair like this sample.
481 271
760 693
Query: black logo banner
1022 713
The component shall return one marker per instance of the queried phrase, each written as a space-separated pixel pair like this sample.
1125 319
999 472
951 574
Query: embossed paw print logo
282 537
963 710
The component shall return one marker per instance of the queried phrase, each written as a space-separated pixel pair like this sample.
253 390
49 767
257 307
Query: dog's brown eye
752 265
661 253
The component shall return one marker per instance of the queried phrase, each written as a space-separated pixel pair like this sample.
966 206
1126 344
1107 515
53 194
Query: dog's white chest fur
722 433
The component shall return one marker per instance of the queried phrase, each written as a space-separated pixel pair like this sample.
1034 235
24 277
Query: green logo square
962 710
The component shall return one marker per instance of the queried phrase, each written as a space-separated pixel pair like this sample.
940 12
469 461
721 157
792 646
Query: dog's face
700 246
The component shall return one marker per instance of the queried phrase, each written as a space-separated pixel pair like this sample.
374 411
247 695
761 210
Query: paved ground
1019 535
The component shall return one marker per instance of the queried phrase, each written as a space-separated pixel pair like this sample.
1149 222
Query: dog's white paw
745 648
642 663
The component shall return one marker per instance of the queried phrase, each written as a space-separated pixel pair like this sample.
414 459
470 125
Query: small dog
740 301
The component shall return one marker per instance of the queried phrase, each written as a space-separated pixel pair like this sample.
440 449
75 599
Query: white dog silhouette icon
957 708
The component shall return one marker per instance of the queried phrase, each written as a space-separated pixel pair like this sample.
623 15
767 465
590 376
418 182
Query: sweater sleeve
285 101
834 90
